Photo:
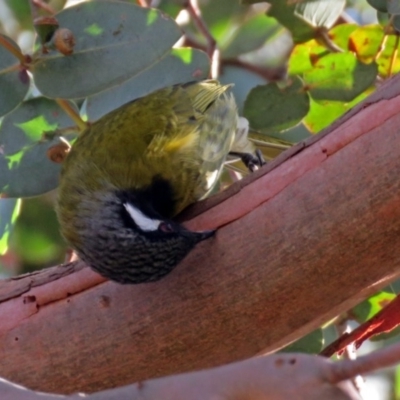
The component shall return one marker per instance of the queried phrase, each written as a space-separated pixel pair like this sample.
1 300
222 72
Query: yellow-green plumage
179 134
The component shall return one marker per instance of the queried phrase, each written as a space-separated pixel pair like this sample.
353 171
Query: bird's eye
166 227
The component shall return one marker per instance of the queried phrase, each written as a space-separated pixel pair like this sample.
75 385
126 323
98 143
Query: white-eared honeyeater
135 168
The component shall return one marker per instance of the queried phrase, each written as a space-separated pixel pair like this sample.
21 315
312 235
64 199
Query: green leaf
115 41
304 56
311 343
270 108
393 7
340 77
368 308
25 137
251 35
9 211
324 112
340 34
367 42
183 65
14 81
220 20
380 5
320 13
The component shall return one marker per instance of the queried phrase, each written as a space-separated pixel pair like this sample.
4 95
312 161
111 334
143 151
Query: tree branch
259 378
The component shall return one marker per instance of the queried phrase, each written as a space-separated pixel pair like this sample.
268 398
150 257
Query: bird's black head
133 242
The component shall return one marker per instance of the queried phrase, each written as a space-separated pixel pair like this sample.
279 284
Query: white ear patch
144 223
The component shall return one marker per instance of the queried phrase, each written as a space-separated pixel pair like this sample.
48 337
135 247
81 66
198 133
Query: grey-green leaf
25 137
180 66
393 7
114 42
270 108
14 80
251 35
380 5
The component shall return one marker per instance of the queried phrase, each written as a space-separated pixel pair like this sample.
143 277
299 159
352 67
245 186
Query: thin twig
386 32
143 3
195 13
35 4
71 112
349 353
393 57
12 49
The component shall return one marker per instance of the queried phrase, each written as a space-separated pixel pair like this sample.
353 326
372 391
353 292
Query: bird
131 171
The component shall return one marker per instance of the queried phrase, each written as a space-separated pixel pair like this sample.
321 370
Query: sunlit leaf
304 56
368 308
324 112
339 77
9 211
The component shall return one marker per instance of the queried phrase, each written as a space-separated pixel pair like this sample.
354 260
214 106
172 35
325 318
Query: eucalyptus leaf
220 17
340 77
304 56
251 35
26 135
323 112
270 108
180 66
393 7
115 41
380 5
14 80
